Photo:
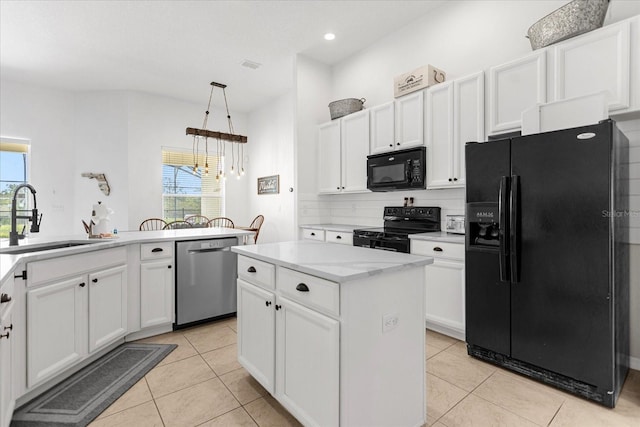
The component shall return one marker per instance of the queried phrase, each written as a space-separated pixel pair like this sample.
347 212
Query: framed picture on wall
269 184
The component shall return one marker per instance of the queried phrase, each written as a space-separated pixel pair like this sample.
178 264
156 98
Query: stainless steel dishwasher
206 273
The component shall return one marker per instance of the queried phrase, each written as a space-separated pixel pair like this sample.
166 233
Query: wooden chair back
256 224
175 225
221 221
152 224
197 220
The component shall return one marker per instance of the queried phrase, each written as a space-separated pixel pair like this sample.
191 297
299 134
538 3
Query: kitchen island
335 333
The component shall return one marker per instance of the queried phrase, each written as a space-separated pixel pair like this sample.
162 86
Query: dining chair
255 225
197 220
175 225
152 224
221 221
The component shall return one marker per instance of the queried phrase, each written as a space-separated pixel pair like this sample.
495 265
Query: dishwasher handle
204 250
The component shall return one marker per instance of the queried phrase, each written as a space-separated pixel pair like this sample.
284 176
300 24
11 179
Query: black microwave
397 170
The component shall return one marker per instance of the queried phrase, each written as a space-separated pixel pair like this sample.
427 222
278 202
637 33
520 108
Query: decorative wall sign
269 184
102 181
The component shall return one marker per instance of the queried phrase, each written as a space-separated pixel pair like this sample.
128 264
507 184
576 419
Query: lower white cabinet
7 399
308 363
257 333
156 284
75 312
444 283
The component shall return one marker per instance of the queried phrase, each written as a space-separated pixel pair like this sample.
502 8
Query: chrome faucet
35 221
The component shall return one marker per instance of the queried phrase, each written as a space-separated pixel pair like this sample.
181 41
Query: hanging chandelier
203 135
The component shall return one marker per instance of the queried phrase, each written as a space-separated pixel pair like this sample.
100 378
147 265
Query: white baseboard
634 363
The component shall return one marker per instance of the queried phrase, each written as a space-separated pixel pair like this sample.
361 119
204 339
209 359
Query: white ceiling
176 48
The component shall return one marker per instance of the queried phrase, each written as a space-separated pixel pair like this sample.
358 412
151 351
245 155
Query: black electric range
399 222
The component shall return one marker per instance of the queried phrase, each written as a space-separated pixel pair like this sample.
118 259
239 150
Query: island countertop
331 261
9 261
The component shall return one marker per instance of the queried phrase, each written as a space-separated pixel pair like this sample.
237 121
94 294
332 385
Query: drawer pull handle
278 307
251 269
10 327
4 298
338 237
437 249
302 287
82 285
94 280
5 336
267 303
313 234
156 250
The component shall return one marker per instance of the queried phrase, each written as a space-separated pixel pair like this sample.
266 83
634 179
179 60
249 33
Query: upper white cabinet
454 116
343 146
515 87
409 120
594 62
398 124
382 128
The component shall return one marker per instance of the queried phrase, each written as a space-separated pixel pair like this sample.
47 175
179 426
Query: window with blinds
185 193
13 172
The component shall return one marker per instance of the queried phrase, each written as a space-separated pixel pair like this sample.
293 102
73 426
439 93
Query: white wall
271 152
120 134
46 117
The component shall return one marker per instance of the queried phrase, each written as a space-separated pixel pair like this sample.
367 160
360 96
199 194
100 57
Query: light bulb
242 172
217 177
206 169
238 176
195 169
231 171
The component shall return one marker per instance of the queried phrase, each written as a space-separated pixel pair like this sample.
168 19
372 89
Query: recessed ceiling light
329 36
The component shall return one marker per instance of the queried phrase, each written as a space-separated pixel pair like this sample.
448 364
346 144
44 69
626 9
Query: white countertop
332 261
345 228
439 236
8 262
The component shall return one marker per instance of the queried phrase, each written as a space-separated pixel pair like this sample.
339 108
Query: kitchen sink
16 250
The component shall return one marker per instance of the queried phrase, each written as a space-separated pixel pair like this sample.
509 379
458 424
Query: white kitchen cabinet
76 305
409 124
343 146
7 334
444 282
329 165
308 363
257 333
107 306
331 236
594 62
382 119
455 116
514 87
57 327
156 284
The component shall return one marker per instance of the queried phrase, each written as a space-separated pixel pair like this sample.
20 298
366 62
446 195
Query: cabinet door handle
168 266
455 179
397 143
82 285
94 280
450 180
10 327
5 336
156 250
437 249
278 307
267 303
390 145
251 269
302 287
4 298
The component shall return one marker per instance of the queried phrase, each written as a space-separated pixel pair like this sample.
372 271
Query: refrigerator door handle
502 233
514 228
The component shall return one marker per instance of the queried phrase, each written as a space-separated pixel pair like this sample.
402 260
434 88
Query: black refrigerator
547 261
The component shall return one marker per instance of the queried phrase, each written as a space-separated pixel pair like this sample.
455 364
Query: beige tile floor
201 384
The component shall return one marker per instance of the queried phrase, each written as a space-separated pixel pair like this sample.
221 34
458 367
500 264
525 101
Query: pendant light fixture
237 142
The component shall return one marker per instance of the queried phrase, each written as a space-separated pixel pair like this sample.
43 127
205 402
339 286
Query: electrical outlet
389 322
